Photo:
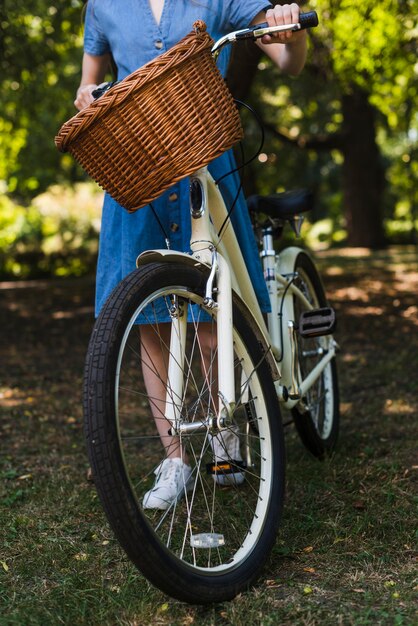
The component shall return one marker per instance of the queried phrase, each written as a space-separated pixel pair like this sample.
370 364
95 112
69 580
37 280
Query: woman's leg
154 355
173 479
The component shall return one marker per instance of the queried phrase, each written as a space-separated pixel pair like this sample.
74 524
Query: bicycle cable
166 237
243 164
236 169
257 152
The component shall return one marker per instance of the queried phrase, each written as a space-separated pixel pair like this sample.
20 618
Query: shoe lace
170 474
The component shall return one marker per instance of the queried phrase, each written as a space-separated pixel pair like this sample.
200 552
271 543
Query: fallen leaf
4 566
307 590
359 590
308 549
389 583
25 477
310 570
359 505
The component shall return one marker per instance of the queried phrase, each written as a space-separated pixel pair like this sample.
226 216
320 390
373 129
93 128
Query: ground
346 552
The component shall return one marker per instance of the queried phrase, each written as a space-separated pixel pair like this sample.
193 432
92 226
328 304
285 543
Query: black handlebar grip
308 20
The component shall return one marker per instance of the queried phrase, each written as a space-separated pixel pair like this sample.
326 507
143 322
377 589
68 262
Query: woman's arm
93 72
288 49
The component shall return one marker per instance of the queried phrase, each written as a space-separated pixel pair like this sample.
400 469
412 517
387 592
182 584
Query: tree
360 81
353 111
40 59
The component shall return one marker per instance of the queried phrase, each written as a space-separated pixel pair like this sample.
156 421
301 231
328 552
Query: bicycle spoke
214 518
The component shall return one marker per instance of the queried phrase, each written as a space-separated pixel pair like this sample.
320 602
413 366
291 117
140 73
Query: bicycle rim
320 403
213 532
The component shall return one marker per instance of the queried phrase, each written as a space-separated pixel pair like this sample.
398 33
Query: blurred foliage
358 45
365 45
56 235
40 60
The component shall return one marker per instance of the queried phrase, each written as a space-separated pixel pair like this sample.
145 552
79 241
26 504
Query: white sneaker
225 446
173 478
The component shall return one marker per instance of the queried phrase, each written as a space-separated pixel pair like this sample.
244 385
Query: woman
134 32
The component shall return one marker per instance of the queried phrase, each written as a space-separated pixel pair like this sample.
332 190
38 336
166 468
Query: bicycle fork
217 299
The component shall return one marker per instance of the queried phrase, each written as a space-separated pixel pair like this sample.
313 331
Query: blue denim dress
129 31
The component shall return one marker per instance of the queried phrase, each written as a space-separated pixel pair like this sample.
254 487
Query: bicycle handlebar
306 20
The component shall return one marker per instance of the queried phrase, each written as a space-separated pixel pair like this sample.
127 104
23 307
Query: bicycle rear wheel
212 544
317 417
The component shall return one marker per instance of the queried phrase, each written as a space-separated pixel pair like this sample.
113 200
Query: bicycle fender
285 266
167 256
287 258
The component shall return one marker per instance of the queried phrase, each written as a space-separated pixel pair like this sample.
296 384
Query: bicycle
227 370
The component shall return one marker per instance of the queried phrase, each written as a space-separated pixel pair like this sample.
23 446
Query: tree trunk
242 69
362 170
245 55
363 176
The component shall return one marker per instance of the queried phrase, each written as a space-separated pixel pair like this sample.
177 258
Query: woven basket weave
158 125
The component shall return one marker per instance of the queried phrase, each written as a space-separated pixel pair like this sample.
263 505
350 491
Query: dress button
172 197
174 227
158 44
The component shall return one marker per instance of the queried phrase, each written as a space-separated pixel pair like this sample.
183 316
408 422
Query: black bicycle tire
318 446
130 527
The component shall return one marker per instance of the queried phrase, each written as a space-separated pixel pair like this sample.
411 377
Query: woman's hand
287 49
280 15
84 96
93 73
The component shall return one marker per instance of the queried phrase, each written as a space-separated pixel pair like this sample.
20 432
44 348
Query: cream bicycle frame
224 257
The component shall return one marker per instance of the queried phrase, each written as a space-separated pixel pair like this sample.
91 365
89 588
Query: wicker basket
158 125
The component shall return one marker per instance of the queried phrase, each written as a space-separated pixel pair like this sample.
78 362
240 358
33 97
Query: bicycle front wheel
212 543
317 417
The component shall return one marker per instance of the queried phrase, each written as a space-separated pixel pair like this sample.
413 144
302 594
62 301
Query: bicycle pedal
225 467
317 322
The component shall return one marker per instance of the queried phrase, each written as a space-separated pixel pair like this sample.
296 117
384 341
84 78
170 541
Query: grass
346 553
